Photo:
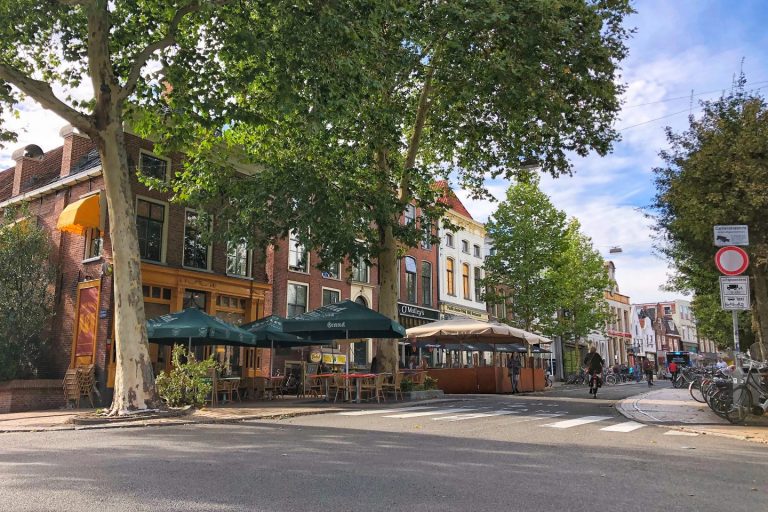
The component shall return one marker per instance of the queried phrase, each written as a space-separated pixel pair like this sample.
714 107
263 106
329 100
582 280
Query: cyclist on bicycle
594 363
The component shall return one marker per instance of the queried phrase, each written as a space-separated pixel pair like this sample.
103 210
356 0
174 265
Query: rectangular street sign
731 235
734 293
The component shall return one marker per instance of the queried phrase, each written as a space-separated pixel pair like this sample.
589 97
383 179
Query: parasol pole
189 349
271 356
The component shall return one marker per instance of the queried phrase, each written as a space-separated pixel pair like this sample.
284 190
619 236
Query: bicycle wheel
610 379
741 407
694 388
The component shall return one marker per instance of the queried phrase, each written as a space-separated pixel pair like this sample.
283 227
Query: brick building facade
178 270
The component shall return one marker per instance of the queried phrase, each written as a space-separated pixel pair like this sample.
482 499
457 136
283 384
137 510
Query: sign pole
736 349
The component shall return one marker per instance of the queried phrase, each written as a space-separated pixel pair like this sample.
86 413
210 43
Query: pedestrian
673 371
513 367
413 363
594 363
648 369
638 372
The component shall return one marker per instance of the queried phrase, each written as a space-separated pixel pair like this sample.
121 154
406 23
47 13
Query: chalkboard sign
311 369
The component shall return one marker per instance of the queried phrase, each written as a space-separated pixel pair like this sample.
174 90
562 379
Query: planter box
31 395
424 395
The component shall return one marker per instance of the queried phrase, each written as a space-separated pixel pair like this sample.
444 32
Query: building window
410 279
195 299
410 214
154 167
297 254
478 285
426 283
449 240
331 296
426 241
450 284
238 259
297 299
93 243
360 271
332 271
476 249
195 250
465 247
465 280
150 220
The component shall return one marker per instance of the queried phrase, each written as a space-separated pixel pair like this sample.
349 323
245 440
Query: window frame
465 281
327 289
450 276
426 277
209 247
290 250
287 295
88 253
478 276
411 281
164 241
449 241
409 219
356 271
465 246
476 251
336 276
144 152
248 260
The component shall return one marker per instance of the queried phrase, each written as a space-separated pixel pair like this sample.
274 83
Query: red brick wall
29 395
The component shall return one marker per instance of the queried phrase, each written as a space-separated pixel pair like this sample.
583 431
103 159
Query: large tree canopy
361 106
716 172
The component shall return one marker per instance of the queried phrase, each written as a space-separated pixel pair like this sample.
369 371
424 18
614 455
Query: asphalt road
558 451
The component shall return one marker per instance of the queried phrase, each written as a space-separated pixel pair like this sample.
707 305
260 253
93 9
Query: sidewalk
83 419
675 408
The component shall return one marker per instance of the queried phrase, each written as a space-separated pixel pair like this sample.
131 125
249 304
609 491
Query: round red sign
731 260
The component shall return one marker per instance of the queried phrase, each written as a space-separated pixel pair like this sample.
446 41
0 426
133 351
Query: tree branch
144 55
43 93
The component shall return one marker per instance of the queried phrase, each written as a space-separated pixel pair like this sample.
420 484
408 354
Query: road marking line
679 433
424 413
627 426
461 417
579 421
381 411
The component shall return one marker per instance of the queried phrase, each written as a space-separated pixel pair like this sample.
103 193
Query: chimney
29 161
76 146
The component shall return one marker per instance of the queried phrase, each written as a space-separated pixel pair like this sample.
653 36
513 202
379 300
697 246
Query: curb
186 417
635 414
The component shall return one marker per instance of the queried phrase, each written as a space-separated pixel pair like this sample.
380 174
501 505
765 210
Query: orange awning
80 215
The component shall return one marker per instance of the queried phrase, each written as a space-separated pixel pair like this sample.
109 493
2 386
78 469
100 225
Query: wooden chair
374 387
213 399
71 387
234 389
340 385
392 385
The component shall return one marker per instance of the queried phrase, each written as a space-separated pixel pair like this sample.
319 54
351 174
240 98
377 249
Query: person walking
673 370
594 363
648 369
513 367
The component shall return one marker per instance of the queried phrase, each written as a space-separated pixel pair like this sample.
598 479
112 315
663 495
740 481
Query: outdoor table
358 379
325 377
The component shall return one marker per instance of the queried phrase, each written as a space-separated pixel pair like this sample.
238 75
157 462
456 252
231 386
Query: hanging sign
731 260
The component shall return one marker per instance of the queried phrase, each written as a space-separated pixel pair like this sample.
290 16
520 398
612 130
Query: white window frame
367 272
164 249
209 251
477 251
324 288
415 273
151 154
87 255
465 243
306 252
409 208
296 283
449 240
337 277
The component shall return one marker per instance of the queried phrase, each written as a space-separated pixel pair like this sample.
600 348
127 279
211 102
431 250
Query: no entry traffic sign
731 260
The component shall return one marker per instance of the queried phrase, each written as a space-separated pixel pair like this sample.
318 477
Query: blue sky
680 46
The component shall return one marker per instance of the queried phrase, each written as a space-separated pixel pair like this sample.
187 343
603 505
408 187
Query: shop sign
315 356
417 312
334 358
468 312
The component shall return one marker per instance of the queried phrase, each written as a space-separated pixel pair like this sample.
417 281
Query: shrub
188 382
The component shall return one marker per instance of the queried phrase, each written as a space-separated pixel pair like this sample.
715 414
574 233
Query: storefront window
195 299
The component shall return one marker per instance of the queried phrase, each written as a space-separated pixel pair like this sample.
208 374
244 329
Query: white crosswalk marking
472 416
381 411
627 426
425 413
579 421
679 433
